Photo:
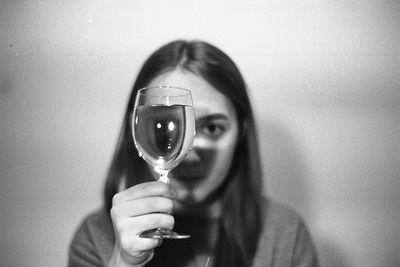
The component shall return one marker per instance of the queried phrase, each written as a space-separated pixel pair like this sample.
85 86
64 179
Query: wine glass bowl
163 128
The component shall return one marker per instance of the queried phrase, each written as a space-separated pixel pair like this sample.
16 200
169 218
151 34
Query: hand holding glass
163 127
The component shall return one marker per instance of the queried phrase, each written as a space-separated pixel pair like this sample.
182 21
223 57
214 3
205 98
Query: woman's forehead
206 104
206 99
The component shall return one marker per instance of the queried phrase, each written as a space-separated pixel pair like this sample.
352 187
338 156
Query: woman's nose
193 155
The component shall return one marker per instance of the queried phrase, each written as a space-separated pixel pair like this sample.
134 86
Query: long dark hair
240 222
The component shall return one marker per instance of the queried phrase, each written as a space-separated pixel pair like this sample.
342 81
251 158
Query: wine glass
163 127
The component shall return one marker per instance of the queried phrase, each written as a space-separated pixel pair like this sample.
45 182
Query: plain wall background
324 77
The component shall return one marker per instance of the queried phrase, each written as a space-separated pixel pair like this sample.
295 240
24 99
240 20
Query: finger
147 222
145 256
126 227
146 190
131 242
138 247
143 206
147 244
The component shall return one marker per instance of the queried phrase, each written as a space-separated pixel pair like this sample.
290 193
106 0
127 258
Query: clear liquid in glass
163 134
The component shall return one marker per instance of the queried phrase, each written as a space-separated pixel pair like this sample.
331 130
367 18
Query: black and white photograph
224 133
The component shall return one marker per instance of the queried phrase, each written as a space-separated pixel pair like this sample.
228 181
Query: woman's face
208 163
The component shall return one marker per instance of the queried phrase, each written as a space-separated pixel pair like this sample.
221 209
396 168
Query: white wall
324 77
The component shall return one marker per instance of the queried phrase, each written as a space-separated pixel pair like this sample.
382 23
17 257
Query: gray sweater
284 240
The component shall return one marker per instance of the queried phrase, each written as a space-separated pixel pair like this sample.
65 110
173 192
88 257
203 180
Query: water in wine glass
163 134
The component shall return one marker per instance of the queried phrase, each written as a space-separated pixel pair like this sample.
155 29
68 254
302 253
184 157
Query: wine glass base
163 234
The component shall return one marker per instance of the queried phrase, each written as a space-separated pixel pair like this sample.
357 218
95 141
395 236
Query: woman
216 194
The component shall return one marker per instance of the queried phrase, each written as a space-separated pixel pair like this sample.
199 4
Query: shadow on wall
285 171
284 166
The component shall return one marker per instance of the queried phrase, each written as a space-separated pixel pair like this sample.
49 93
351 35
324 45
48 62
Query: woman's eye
213 130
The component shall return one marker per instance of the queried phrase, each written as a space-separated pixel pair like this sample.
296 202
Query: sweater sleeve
304 254
83 251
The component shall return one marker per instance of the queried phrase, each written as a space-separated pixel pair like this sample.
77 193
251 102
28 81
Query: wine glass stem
164 177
